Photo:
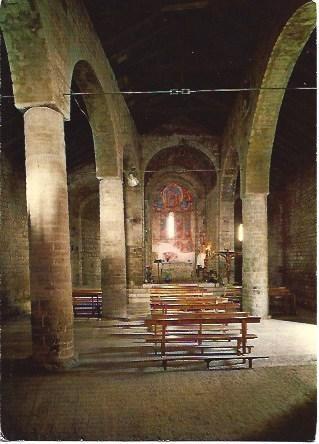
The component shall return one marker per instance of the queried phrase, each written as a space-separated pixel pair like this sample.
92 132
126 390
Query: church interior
158 213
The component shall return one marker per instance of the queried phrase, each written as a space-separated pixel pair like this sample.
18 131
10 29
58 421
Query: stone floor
109 344
108 398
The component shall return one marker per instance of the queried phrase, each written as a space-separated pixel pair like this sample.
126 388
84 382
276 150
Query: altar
173 271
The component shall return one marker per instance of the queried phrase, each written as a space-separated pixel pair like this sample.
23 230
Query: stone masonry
113 261
50 266
255 254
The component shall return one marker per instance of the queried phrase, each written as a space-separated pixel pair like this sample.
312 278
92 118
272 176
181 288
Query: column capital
45 107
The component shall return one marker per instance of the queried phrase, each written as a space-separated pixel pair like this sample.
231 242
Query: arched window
170 225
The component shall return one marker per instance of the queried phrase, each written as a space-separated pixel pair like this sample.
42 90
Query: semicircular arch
229 173
160 146
281 62
99 117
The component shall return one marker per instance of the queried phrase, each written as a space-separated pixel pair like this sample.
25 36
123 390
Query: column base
56 366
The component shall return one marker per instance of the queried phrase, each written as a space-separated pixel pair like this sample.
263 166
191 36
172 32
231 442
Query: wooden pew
281 299
202 320
178 290
87 302
234 294
188 305
193 297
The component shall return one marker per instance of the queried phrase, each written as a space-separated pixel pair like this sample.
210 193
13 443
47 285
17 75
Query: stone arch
99 119
24 34
175 141
161 177
37 49
228 177
185 159
281 62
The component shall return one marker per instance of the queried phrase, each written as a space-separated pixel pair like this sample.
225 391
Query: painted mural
172 224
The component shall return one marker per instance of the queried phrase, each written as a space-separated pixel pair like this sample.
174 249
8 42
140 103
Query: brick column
50 266
133 199
255 254
113 262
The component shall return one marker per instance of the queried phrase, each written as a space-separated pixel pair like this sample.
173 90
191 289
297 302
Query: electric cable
185 91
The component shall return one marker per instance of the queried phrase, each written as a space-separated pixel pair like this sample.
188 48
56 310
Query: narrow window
170 226
240 232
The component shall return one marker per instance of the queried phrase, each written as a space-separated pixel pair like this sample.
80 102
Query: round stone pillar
50 266
112 240
255 254
133 204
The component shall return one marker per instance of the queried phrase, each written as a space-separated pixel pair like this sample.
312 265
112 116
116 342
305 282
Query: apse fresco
172 224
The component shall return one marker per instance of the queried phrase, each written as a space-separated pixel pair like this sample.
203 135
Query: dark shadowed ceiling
196 44
167 44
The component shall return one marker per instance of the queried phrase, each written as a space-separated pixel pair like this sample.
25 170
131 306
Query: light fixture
240 232
132 180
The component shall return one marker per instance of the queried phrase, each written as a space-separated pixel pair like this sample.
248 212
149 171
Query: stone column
50 265
133 199
113 262
255 254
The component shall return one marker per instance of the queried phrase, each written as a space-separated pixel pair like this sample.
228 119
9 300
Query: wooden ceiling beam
186 6
130 30
124 54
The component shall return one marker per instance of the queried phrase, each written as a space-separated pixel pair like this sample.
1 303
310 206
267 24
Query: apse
173 225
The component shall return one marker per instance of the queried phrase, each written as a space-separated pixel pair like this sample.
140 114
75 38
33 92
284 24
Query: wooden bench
169 290
281 299
87 302
185 305
193 298
234 294
192 358
209 358
166 335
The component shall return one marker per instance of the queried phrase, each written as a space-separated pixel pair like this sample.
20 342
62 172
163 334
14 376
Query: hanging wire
181 171
73 94
185 91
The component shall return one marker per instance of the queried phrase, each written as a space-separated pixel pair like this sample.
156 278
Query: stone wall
83 192
14 243
292 236
275 239
90 244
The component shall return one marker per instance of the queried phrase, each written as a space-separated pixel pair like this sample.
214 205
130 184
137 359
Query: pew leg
238 351
164 364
